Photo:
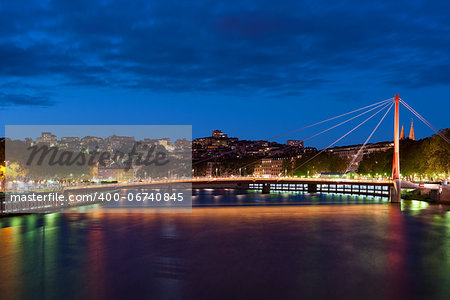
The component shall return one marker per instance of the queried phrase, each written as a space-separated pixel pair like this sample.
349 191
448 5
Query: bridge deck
235 182
294 181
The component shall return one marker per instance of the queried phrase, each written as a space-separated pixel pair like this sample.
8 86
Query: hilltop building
295 143
218 134
47 138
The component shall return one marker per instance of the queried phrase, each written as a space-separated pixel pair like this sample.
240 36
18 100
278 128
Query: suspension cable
377 104
424 121
343 122
347 113
373 115
367 140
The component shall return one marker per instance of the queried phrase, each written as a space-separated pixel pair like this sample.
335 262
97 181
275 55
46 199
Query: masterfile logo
97 168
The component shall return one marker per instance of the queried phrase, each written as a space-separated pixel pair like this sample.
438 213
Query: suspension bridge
387 188
391 187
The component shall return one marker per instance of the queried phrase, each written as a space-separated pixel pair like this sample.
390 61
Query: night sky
254 69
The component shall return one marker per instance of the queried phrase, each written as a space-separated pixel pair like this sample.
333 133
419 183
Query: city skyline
103 131
291 142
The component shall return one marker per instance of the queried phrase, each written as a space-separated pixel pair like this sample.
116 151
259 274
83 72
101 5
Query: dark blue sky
251 68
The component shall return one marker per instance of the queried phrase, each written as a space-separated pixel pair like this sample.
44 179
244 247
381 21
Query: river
234 244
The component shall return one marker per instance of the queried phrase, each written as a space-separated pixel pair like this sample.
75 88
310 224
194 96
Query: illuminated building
115 173
411 132
295 143
402 134
47 138
269 167
218 134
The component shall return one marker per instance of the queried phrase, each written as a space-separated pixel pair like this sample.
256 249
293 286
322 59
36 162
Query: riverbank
417 195
441 195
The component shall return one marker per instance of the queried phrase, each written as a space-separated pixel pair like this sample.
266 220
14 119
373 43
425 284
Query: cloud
271 47
7 100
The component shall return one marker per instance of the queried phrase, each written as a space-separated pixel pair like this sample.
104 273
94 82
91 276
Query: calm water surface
234 244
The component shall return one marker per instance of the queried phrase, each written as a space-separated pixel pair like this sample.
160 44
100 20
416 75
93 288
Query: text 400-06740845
174 197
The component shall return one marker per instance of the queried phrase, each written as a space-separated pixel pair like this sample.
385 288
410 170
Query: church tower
402 134
411 132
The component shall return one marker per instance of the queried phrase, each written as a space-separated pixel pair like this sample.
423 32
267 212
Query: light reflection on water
234 244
